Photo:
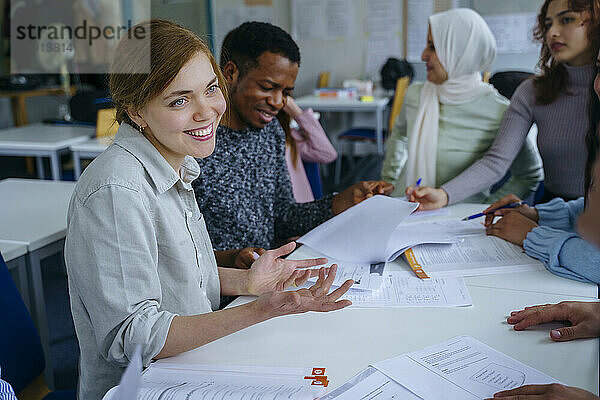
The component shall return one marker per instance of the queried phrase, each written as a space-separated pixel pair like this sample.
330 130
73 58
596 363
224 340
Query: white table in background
346 341
34 212
42 140
14 255
350 106
89 149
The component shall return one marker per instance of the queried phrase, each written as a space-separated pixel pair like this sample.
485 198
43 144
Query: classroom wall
345 57
522 61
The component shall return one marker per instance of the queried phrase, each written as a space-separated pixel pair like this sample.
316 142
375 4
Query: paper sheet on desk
400 289
190 381
475 254
365 276
461 368
371 384
370 233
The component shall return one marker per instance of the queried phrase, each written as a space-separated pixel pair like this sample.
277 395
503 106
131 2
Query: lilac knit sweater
562 127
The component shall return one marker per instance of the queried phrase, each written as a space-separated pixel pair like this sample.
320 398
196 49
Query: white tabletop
11 250
34 211
346 341
93 145
341 104
43 137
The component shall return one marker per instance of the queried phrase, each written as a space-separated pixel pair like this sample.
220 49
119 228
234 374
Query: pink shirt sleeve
311 140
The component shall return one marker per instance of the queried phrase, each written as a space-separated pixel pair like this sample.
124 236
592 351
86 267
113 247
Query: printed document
461 368
371 384
475 254
370 232
365 276
400 289
189 382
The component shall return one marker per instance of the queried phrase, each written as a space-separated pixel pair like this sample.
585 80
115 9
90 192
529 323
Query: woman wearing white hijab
451 119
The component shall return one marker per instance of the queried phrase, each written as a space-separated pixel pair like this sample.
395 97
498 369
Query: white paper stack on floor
369 233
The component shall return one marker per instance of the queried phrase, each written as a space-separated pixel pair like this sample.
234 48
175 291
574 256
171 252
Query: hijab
465 46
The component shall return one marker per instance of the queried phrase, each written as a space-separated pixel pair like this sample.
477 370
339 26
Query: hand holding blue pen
491 212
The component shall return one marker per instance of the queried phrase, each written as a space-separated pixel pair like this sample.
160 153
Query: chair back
506 82
401 86
21 353
106 122
314 178
323 79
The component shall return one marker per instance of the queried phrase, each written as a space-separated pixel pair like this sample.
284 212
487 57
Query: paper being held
370 233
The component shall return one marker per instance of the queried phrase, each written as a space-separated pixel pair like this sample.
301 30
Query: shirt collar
160 171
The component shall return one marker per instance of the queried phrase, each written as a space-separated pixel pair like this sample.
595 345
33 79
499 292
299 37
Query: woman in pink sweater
308 142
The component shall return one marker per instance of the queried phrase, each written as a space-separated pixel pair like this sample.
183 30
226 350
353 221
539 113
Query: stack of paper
401 290
377 287
164 380
474 254
461 368
369 232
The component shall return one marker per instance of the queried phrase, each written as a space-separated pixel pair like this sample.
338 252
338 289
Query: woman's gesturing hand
271 273
315 298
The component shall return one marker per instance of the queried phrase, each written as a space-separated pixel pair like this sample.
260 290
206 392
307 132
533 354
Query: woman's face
183 119
567 34
436 73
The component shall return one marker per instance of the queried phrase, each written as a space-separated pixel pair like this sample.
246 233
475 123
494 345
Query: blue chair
21 353
314 178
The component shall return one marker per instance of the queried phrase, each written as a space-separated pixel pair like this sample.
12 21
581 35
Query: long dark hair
554 77
592 140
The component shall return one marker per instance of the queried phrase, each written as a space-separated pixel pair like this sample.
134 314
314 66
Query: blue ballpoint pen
511 205
418 183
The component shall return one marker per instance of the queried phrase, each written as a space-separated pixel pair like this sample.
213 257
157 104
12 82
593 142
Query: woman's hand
428 198
272 273
513 227
359 192
291 108
583 316
246 256
529 212
315 298
553 391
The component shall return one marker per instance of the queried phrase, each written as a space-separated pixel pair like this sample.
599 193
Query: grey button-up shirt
137 254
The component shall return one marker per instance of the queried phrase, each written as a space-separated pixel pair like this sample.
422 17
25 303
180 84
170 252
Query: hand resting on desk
583 316
585 323
553 391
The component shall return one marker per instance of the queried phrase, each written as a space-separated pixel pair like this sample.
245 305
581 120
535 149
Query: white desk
14 255
346 341
40 140
34 212
349 106
91 148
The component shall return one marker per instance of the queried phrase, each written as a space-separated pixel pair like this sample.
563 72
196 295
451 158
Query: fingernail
555 334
